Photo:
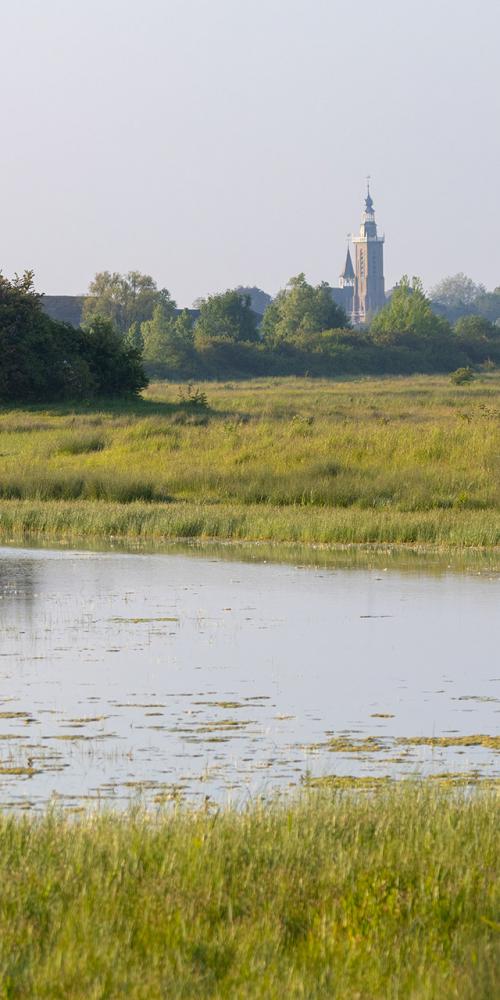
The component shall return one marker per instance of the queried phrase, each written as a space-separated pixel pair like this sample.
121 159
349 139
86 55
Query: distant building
361 290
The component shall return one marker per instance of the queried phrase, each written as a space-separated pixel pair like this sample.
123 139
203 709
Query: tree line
301 331
131 330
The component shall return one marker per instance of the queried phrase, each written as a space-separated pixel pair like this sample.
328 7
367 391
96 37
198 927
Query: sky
212 143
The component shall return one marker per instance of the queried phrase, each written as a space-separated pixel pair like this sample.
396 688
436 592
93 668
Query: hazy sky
220 142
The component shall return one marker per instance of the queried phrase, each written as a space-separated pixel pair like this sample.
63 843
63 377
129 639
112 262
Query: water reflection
169 675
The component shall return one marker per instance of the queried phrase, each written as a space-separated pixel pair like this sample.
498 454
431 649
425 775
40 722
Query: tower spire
368 199
347 277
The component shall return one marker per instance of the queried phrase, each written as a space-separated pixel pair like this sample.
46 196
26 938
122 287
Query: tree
134 338
476 327
299 310
479 338
43 360
124 299
36 352
168 339
487 304
456 292
408 317
116 367
228 316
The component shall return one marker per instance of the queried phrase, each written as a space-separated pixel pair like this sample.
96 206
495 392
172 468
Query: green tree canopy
168 339
479 338
457 291
488 305
476 327
408 317
228 316
116 366
124 299
301 309
42 359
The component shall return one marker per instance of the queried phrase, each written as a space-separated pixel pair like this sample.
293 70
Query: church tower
369 289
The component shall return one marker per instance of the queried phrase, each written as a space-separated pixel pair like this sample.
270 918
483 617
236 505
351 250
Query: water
159 676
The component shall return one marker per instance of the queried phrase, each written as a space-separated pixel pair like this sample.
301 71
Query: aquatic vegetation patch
464 779
25 716
347 744
141 621
478 740
222 704
18 771
344 781
73 737
86 719
483 698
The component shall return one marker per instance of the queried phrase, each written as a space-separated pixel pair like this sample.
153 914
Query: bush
462 375
193 398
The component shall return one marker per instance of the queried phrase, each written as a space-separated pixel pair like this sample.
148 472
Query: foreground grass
340 895
402 460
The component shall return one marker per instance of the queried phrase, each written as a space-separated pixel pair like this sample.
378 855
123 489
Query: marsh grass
335 894
402 460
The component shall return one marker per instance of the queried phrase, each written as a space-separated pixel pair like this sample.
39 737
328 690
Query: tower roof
368 199
348 272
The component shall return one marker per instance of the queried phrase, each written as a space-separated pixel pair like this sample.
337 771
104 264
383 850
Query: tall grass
136 522
394 454
392 895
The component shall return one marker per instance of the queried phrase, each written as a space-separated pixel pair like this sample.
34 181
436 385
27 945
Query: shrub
462 375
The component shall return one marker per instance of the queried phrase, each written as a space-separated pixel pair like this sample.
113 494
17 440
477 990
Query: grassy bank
400 461
391 895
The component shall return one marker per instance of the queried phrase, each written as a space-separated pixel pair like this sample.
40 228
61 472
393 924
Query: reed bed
138 522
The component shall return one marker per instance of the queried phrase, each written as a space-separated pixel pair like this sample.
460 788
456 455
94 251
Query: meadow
385 895
394 460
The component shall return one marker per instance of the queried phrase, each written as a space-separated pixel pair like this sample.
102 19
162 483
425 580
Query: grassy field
382 896
398 460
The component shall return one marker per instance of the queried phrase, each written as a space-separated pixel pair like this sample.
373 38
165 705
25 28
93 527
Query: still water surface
125 675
